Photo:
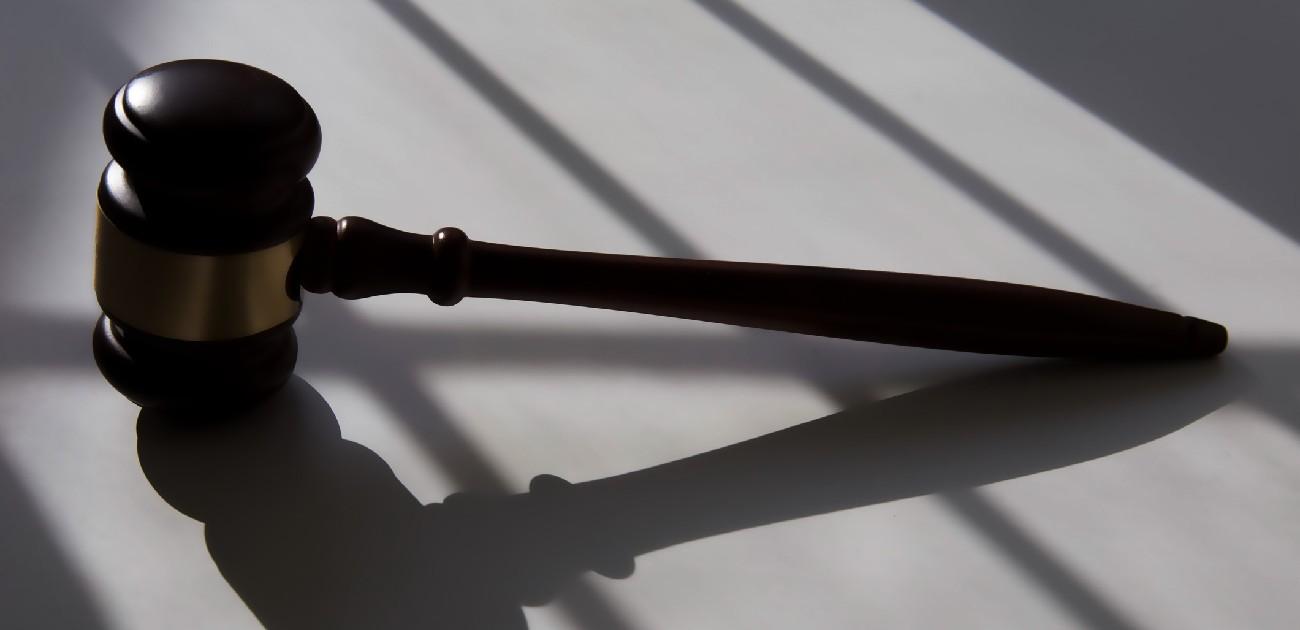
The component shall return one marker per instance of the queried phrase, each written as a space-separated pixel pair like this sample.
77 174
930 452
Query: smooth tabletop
1141 151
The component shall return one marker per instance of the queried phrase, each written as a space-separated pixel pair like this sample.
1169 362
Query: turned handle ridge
356 258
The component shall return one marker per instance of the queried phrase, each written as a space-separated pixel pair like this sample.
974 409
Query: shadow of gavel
205 238
314 531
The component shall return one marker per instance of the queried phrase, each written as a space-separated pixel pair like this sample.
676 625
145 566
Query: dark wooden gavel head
201 212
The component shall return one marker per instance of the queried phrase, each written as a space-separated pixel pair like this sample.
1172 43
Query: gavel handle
355 257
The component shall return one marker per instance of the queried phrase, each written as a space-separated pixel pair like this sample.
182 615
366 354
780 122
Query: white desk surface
882 135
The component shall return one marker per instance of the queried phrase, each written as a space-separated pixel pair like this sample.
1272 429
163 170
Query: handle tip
1205 339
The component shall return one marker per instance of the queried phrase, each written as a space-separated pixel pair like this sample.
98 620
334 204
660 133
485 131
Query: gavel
205 238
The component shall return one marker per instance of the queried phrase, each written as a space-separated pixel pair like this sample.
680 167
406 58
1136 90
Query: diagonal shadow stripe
547 137
47 50
602 198
478 477
1071 593
40 586
1207 85
544 135
958 174
1068 590
1271 400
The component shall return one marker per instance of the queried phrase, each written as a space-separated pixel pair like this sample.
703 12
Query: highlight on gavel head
201 212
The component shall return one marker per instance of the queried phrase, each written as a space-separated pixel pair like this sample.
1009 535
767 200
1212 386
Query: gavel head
201 212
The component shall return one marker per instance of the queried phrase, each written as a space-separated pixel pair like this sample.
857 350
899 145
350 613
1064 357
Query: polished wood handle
355 258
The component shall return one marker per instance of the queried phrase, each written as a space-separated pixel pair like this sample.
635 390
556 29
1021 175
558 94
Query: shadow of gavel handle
955 436
355 257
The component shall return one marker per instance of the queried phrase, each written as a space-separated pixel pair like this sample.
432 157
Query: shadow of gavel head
205 237
201 213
